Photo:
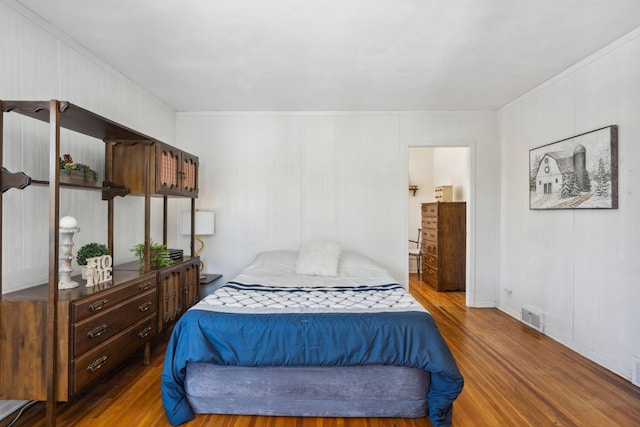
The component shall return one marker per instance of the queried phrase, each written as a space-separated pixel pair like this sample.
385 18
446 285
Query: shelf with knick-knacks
96 327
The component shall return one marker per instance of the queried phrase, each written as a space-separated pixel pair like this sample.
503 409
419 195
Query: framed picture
580 172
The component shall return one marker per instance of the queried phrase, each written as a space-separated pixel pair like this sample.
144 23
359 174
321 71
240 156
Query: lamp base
198 252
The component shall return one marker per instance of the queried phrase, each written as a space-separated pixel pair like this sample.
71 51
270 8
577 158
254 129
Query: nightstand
205 279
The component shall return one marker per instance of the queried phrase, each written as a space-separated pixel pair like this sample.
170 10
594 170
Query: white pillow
274 262
318 258
356 265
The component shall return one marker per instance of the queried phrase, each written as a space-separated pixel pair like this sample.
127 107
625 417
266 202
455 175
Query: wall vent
635 375
533 318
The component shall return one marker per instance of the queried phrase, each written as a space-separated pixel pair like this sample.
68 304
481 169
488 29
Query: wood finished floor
514 376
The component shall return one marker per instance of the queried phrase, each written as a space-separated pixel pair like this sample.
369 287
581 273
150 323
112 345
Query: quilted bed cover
249 324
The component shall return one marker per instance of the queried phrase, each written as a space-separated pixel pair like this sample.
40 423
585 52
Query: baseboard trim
595 357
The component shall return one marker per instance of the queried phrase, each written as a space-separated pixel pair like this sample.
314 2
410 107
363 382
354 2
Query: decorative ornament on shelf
76 173
90 250
68 227
99 270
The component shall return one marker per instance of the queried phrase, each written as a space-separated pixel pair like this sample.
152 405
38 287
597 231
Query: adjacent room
319 213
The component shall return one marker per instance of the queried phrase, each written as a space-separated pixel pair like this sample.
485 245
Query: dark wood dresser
98 327
178 289
444 245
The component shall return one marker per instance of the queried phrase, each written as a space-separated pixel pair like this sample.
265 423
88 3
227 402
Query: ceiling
239 55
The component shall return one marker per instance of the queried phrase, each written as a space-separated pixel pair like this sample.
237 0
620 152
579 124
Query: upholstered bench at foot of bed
371 391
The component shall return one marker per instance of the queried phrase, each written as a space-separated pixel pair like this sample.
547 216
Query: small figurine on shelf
68 227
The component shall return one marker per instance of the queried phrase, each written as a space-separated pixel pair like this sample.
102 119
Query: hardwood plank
514 376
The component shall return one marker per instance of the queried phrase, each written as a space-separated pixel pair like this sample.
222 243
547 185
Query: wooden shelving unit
141 151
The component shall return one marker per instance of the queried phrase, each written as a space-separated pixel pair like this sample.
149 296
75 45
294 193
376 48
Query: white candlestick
67 229
68 222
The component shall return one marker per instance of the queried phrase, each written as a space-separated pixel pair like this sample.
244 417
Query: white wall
277 179
579 267
450 167
40 64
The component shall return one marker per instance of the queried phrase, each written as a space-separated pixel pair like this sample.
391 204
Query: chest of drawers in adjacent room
444 245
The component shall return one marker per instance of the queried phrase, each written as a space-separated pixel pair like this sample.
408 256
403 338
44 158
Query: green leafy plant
91 250
159 254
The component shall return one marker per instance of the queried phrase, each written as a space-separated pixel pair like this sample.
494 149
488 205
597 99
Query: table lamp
204 226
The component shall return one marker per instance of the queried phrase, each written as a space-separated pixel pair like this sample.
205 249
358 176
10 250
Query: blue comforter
312 338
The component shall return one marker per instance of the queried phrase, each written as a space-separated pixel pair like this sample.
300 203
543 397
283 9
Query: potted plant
72 172
159 254
90 250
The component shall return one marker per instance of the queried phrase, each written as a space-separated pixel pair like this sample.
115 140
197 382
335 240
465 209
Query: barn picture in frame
580 172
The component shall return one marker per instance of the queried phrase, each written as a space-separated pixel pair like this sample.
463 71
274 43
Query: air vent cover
533 318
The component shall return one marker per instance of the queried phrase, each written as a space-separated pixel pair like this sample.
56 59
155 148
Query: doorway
431 166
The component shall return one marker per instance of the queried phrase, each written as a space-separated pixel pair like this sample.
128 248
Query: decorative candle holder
68 227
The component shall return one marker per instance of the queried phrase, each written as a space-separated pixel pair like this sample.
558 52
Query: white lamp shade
205 223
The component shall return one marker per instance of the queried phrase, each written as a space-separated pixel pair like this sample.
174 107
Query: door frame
471 203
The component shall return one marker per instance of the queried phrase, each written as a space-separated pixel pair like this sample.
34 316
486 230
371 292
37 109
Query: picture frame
580 172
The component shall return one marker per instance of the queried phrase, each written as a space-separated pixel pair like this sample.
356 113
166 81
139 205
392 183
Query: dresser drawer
430 222
430 234
104 300
90 332
97 362
430 261
429 209
430 276
429 247
429 272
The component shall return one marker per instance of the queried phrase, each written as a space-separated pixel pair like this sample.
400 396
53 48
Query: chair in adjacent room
415 249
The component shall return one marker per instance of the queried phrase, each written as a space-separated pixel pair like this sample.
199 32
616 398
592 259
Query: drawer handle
97 331
98 305
145 306
144 287
146 331
431 260
99 363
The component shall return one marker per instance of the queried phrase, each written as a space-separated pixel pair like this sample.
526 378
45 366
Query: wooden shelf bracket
17 180
111 190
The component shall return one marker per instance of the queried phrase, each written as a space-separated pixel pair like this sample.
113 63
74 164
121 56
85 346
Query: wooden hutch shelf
54 343
77 119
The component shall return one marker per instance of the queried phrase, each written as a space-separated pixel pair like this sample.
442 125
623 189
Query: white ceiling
211 55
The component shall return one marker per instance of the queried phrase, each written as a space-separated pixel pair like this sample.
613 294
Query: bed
314 332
